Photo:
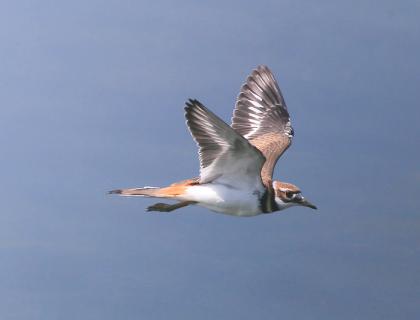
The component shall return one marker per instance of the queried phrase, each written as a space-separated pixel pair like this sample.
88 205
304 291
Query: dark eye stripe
289 194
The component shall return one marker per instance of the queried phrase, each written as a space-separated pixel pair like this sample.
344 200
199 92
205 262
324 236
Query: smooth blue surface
92 96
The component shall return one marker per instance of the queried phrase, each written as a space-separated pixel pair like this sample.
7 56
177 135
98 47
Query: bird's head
288 195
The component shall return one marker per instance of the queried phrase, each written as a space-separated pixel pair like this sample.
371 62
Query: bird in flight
237 161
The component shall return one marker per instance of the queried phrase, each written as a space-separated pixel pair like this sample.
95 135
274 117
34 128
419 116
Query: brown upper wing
261 116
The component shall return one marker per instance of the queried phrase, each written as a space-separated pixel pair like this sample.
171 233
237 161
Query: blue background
92 96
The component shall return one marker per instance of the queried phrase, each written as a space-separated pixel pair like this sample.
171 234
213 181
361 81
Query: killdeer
237 161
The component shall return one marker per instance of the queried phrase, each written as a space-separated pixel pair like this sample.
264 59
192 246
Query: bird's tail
175 191
137 192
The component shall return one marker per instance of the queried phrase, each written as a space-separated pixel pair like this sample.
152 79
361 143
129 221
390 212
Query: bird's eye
289 194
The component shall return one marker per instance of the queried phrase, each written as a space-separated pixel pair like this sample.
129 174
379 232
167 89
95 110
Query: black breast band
267 202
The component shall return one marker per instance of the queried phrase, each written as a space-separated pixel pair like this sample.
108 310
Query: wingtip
193 104
263 67
188 104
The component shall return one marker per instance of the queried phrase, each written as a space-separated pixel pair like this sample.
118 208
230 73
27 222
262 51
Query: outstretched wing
261 116
224 155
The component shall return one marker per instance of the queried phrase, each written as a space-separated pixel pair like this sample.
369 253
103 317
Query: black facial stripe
289 194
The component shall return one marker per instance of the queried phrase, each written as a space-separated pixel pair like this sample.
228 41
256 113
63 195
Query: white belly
224 199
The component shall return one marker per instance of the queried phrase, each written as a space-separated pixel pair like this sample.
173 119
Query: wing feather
261 116
224 155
